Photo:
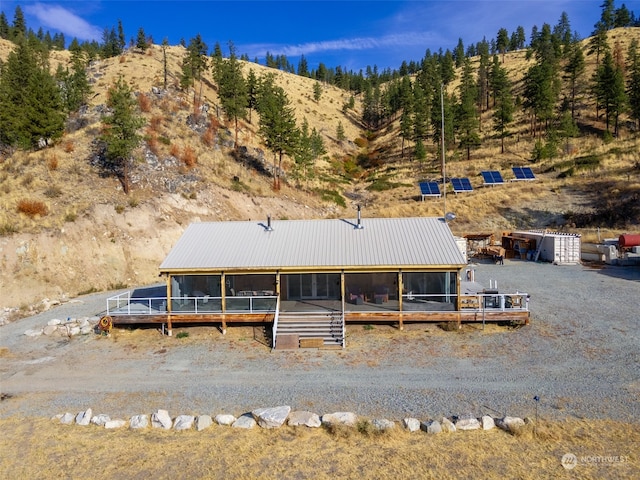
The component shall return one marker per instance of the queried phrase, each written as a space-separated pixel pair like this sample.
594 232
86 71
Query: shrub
27 179
164 140
174 150
189 157
32 208
52 191
152 143
119 208
69 146
7 229
155 122
182 335
144 103
361 142
52 162
70 217
208 137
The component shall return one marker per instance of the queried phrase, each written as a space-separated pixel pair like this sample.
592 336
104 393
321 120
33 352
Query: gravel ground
579 355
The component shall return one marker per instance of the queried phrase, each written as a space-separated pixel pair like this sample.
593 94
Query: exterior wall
557 248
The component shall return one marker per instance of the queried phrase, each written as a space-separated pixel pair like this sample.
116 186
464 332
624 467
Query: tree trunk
235 146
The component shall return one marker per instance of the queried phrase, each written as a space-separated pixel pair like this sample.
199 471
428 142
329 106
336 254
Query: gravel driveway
579 355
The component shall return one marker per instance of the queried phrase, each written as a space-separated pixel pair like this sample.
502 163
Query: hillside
91 236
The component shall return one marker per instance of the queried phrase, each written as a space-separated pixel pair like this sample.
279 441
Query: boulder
73 331
67 418
118 423
487 422
447 425
431 426
383 424
469 423
271 417
49 329
100 419
33 332
139 421
340 418
53 322
183 422
203 421
161 419
244 421
304 418
86 330
510 424
411 424
84 418
224 419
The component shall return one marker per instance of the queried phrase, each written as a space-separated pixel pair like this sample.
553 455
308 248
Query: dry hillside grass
35 448
83 213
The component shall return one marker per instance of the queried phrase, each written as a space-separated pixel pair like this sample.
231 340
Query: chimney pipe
359 226
269 228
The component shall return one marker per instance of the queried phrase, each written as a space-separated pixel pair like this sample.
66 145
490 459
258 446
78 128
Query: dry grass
37 448
32 208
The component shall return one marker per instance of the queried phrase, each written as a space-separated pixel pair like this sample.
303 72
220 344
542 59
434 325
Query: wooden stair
309 330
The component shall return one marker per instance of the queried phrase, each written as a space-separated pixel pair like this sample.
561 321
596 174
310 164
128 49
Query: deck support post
400 289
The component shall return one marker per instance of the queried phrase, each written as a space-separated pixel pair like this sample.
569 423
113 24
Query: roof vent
269 227
359 225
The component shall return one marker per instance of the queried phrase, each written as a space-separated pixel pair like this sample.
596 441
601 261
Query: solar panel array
461 185
492 177
429 189
523 173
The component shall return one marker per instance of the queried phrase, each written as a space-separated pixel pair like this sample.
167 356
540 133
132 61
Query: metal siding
315 243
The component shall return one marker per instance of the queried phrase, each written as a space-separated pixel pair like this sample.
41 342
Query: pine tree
609 90
141 40
193 65
19 28
467 117
121 130
633 84
317 91
165 44
502 42
504 107
122 42
573 71
340 133
5 30
252 92
406 119
277 124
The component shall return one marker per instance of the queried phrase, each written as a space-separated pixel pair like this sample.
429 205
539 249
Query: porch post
223 301
342 289
169 295
458 298
400 290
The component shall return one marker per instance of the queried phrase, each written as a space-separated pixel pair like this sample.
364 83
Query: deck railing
479 302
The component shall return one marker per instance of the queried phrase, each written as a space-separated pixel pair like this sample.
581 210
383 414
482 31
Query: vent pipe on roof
359 225
269 227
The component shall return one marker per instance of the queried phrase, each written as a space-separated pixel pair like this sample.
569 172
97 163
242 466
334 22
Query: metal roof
296 244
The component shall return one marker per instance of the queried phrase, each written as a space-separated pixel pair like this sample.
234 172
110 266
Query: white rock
224 419
100 419
86 330
488 423
118 423
411 424
340 418
244 421
49 329
271 417
67 418
33 332
183 422
510 424
139 421
304 418
383 424
161 419
431 426
73 331
57 416
54 321
467 424
203 421
84 418
447 425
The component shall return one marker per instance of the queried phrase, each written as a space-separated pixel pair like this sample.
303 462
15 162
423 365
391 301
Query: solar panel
492 177
523 173
461 185
429 189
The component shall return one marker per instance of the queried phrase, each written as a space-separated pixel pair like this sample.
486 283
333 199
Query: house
308 278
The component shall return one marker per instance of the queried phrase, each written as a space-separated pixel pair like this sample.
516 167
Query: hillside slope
93 237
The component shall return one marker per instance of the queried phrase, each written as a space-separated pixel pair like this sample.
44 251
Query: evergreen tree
252 91
317 91
19 28
303 67
504 107
458 54
120 134
573 71
467 113
420 114
623 17
310 147
633 83
277 124
609 90
122 42
502 42
340 133
5 30
165 44
74 85
232 89
141 40
193 65
406 119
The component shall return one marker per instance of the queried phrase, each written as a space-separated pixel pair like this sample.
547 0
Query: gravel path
579 355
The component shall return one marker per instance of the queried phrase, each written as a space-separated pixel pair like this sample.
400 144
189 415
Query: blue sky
352 34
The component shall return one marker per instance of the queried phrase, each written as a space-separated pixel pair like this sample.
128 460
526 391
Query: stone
57 416
49 329
54 321
67 418
86 330
161 419
245 421
340 418
33 332
100 419
488 423
383 424
467 424
139 421
411 424
84 418
118 423
183 422
203 421
510 424
224 419
431 426
304 418
73 331
447 425
271 417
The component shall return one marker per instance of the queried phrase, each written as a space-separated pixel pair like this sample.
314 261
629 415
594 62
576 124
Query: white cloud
348 44
58 18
